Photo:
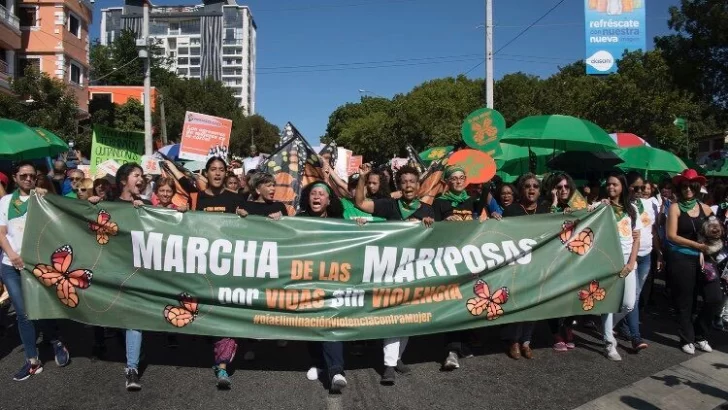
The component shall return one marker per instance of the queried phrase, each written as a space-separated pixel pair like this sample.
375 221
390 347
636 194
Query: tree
698 52
518 95
42 101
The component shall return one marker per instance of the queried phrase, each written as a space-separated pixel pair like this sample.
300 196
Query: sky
314 56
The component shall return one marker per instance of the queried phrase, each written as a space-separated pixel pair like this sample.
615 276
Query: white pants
628 300
393 350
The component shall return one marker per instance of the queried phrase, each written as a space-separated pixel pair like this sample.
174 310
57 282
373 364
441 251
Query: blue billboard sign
612 26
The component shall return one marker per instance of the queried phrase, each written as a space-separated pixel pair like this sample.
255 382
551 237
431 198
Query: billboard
612 26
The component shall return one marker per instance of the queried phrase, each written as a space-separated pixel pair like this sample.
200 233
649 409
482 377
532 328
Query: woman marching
455 205
216 198
13 217
317 201
518 335
684 264
629 230
406 208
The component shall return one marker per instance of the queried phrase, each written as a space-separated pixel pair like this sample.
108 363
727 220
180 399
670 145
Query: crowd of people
659 229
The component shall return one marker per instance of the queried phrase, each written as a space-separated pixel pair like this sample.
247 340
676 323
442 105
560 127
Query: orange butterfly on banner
487 302
57 274
589 296
579 244
183 315
103 227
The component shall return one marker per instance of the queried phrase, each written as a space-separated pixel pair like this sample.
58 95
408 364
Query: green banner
310 278
121 146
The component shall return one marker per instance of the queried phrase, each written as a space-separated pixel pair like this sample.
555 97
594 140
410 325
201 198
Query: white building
215 39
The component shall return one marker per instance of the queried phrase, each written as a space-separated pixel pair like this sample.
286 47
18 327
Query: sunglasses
27 176
75 179
638 188
531 186
563 187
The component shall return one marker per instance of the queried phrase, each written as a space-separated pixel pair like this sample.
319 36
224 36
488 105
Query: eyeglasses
456 179
531 186
686 187
563 187
27 176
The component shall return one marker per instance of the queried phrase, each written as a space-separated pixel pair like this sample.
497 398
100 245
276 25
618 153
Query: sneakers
388 376
312 373
569 338
223 380
132 380
29 369
688 348
61 353
638 345
704 346
611 352
451 362
560 347
338 383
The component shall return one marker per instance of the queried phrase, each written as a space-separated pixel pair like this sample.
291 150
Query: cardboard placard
202 132
355 161
150 165
116 145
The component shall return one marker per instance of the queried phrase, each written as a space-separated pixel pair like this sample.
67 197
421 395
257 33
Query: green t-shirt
71 195
352 212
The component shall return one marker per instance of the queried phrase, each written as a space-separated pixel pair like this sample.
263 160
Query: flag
414 160
294 164
681 123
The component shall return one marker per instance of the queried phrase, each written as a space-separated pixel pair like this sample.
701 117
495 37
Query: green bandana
688 205
618 212
408 210
18 207
455 199
322 185
640 207
451 170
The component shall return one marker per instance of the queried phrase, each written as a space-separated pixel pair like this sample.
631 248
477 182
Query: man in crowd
75 177
59 175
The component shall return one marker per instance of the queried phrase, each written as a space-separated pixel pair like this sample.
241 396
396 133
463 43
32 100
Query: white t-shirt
646 222
624 229
16 226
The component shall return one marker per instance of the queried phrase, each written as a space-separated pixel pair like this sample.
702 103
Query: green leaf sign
482 130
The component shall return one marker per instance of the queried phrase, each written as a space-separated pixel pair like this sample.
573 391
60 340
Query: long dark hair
383 184
624 200
123 174
556 180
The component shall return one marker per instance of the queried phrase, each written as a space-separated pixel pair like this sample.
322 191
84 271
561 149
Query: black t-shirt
264 208
389 210
226 201
515 209
443 209
117 199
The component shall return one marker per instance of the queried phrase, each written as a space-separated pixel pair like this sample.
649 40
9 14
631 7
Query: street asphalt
182 378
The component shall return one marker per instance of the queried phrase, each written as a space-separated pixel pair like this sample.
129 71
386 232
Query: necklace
526 210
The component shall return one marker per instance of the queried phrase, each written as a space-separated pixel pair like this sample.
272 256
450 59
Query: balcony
4 76
232 41
8 18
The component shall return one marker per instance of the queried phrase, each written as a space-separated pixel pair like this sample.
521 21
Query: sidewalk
700 383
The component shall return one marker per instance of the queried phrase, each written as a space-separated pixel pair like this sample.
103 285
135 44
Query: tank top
688 227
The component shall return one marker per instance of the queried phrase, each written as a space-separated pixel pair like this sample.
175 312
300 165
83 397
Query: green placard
482 130
311 278
121 146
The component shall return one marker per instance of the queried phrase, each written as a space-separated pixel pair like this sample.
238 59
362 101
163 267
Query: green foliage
698 52
42 101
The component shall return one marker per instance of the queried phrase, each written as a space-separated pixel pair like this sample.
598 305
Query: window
27 16
24 63
182 71
190 26
76 74
195 51
74 25
195 61
182 61
105 98
183 50
194 71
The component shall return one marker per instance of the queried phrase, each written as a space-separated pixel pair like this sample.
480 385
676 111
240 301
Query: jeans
26 329
628 304
518 332
394 349
328 355
631 323
133 348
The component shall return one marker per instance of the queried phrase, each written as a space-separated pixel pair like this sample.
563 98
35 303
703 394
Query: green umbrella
19 141
513 161
55 142
558 132
645 158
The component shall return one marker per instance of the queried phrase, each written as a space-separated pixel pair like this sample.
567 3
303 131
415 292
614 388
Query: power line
116 69
373 66
521 33
370 62
331 6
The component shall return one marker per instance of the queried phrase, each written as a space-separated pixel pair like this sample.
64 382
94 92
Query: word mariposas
259 259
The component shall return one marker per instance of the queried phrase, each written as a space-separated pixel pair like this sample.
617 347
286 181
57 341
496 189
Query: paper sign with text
117 145
202 132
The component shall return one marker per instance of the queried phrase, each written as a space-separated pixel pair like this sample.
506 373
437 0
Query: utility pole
252 139
162 119
148 142
489 53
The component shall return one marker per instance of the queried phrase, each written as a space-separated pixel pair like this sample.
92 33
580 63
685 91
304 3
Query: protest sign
354 163
150 165
342 163
202 132
108 167
111 144
311 278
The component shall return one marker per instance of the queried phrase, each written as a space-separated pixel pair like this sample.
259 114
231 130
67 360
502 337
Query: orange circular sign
479 167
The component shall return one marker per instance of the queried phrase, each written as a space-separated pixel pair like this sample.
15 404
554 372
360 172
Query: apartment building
55 40
10 42
214 39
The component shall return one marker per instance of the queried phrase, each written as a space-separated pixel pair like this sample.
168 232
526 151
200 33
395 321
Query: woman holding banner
455 205
518 335
317 201
13 212
129 183
215 198
406 208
